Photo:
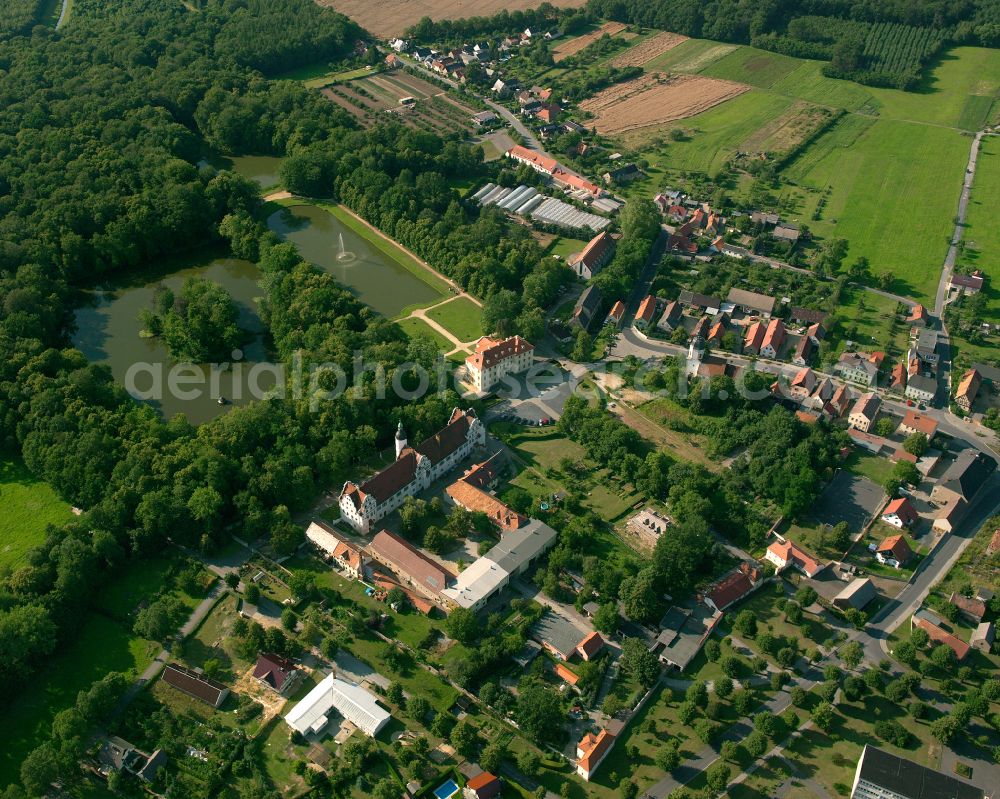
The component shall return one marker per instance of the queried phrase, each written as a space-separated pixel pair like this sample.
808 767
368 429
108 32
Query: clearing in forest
647 50
655 99
578 43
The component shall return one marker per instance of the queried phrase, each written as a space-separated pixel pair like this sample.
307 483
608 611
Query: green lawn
29 506
462 317
875 468
565 247
893 192
414 327
101 646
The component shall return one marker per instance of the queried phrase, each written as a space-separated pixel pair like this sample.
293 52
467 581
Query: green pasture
462 317
29 506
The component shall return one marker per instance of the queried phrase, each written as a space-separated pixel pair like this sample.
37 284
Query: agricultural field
461 317
654 100
29 507
648 49
690 56
570 47
371 98
387 18
981 236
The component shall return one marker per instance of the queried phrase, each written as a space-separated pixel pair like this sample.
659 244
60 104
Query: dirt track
387 18
655 99
646 51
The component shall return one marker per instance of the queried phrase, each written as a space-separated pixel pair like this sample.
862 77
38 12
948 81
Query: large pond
261 168
108 332
374 277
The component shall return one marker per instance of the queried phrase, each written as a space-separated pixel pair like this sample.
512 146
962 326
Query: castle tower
400 439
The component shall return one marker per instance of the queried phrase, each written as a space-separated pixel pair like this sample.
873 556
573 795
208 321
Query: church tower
400 439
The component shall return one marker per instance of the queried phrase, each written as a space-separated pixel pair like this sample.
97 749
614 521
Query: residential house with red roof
591 751
647 310
592 258
494 359
864 412
536 160
590 646
899 513
931 625
616 314
342 553
803 351
914 422
967 389
482 786
918 316
803 384
736 585
894 551
774 339
753 338
784 554
364 504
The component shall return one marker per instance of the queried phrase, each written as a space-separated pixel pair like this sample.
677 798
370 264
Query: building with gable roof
899 513
591 751
354 703
592 258
894 551
362 505
276 672
342 553
410 564
785 553
967 389
864 412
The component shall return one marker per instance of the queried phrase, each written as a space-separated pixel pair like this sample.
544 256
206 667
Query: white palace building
415 468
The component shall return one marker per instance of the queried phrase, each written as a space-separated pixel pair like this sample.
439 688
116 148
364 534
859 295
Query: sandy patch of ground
387 18
272 702
646 51
655 99
578 43
704 58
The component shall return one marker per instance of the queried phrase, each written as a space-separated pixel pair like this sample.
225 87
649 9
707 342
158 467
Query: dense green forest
18 16
200 324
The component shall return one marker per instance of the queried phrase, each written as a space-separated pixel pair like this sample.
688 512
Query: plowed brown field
654 99
577 43
646 51
386 18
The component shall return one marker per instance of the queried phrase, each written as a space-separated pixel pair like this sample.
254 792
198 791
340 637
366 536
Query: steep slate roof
274 670
967 474
407 558
194 684
808 315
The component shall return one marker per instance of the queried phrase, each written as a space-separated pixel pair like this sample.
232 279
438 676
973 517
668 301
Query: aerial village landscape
473 400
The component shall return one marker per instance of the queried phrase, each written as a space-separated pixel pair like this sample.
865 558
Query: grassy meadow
29 506
461 317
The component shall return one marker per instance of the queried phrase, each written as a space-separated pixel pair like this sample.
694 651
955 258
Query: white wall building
351 701
493 360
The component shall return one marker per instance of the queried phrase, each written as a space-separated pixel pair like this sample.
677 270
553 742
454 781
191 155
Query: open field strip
570 47
28 507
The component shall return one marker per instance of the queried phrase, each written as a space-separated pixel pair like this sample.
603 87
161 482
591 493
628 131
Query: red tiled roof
484 785
730 589
274 670
593 748
595 250
902 455
896 545
523 153
867 405
560 175
920 423
917 314
969 386
754 336
476 500
973 281
804 377
489 351
566 675
482 474
790 553
775 335
590 646
936 634
402 555
617 310
807 417
646 309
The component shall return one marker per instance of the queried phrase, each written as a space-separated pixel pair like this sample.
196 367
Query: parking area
849 498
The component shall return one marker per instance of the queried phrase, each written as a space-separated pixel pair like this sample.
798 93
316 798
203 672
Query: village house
671 318
914 422
753 337
969 284
970 608
494 359
763 218
415 468
894 551
591 751
647 311
484 118
341 553
699 302
785 553
858 593
897 378
482 786
592 258
751 302
918 316
857 367
788 233
967 389
616 314
622 174
117 754
276 672
475 500
774 339
926 346
586 309
537 161
864 412
983 636
194 683
683 632
965 477
921 388
803 384
808 316
803 351
899 513
733 587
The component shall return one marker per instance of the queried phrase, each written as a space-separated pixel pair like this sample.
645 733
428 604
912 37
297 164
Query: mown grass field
28 507
981 236
462 317
414 327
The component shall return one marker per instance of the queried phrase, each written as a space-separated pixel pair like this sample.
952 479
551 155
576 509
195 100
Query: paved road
63 14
